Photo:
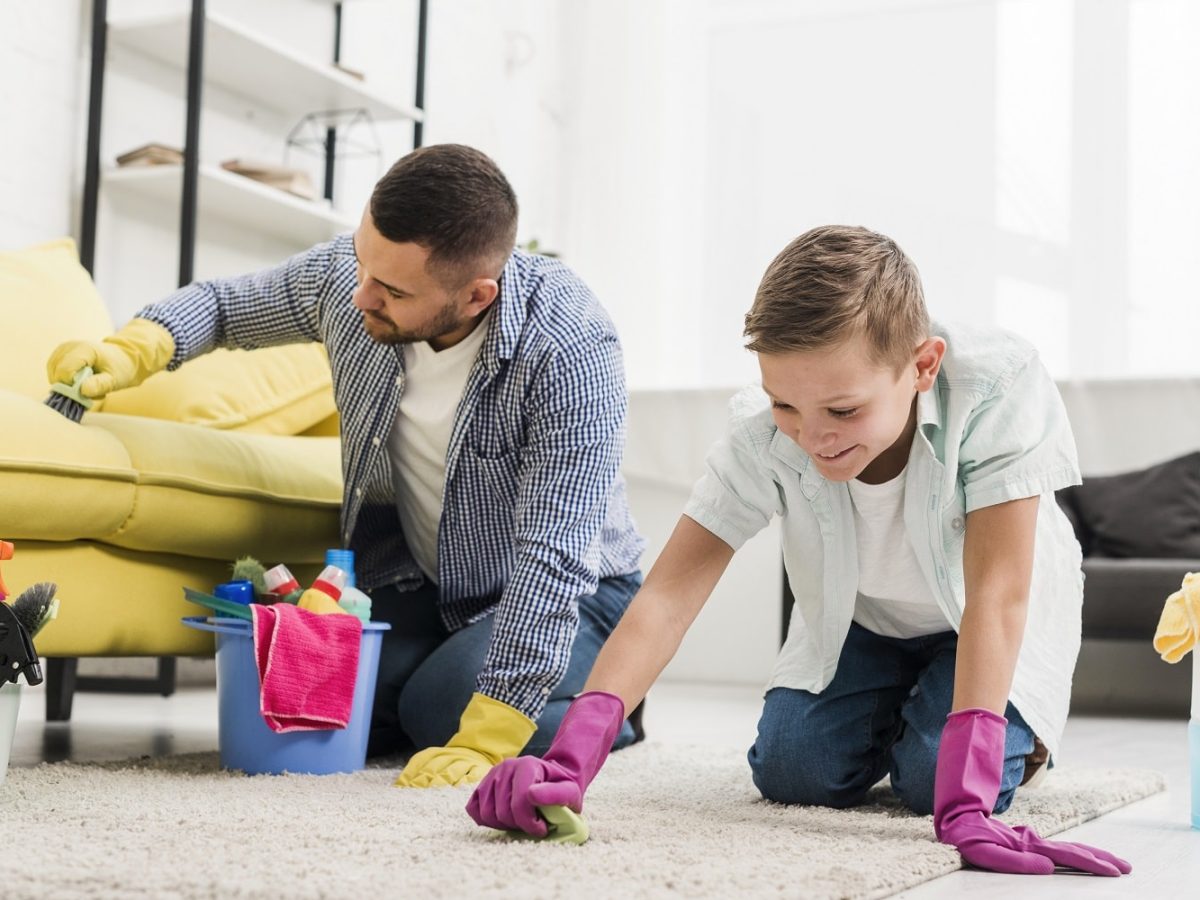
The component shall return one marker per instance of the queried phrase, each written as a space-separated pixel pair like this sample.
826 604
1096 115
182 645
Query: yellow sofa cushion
275 390
122 602
58 480
208 493
46 297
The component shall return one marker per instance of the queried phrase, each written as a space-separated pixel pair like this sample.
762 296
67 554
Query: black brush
67 399
33 607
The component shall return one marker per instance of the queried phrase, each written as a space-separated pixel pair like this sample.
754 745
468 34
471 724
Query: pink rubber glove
510 793
969 764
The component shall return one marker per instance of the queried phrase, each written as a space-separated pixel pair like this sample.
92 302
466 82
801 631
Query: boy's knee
795 777
914 765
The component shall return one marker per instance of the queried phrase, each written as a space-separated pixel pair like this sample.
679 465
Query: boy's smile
854 418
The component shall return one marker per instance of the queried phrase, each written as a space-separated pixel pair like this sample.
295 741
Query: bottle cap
331 581
344 560
239 591
280 581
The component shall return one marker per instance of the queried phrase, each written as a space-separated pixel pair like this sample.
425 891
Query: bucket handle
220 626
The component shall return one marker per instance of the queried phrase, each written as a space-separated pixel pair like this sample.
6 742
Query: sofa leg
60 687
163 683
166 675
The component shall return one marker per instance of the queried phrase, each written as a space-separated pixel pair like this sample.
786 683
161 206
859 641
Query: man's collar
505 331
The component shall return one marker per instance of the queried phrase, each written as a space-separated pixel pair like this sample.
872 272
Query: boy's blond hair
834 282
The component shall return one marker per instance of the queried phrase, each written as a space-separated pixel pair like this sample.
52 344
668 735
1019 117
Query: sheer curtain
1037 158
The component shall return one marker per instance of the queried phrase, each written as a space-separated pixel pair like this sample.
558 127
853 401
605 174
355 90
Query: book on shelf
294 181
151 155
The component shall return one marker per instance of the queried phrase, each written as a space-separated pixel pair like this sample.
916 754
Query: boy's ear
929 361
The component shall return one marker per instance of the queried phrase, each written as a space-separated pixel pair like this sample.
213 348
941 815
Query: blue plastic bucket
245 741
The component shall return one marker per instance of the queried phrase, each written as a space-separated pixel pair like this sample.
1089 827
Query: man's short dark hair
455 202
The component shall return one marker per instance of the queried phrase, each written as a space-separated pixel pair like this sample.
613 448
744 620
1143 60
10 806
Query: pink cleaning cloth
307 666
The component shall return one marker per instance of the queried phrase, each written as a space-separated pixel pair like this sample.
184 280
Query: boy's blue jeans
882 714
427 675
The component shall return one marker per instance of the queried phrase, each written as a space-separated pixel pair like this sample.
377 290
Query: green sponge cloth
563 826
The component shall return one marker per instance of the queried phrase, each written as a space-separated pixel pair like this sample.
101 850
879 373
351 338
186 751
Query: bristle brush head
247 568
31 607
68 399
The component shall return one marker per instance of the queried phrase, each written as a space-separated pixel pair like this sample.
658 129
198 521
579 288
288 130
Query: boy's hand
510 794
969 764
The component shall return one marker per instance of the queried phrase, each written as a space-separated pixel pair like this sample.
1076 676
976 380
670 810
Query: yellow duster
1179 625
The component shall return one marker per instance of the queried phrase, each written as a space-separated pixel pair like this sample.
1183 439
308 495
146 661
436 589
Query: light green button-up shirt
992 429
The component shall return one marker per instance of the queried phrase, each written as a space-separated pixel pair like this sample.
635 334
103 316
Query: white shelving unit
245 62
268 74
234 198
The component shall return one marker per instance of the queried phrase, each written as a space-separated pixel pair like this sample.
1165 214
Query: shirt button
399 381
358 492
957 524
376 441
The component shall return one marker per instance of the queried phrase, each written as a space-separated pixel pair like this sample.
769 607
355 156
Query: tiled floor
1153 834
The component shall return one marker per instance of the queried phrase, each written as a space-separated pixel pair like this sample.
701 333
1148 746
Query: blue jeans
427 674
882 713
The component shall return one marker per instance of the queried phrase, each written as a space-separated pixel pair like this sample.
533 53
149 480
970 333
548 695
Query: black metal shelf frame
191 148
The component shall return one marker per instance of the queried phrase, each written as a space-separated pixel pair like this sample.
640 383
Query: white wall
41 143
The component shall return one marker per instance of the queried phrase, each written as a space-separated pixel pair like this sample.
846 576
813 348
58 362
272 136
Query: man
482 400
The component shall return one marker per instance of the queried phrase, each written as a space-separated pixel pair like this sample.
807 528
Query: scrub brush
247 568
67 398
36 606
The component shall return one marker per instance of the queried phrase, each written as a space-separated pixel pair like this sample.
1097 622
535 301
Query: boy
913 468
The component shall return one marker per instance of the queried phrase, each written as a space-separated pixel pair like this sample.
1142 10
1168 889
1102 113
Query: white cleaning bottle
1194 738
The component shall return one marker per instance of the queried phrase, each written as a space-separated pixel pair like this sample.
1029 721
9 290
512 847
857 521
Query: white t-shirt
433 386
894 598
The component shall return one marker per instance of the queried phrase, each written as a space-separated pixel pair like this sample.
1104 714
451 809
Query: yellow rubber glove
122 360
488 732
1179 626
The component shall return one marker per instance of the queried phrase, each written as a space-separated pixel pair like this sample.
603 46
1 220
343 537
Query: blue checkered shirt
534 509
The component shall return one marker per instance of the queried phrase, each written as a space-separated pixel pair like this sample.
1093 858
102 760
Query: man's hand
969 764
122 360
488 732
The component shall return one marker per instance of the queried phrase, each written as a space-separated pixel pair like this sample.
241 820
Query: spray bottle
322 597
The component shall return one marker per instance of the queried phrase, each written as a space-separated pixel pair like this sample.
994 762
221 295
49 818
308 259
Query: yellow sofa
160 486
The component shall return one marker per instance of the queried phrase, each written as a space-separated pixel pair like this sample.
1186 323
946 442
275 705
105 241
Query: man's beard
387 332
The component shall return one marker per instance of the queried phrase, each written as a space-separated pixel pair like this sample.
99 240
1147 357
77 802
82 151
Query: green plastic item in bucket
218 605
248 745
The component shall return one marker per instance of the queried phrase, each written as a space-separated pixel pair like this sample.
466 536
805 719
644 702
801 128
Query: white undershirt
894 598
433 386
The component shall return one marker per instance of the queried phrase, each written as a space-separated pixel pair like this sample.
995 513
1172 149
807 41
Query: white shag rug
665 821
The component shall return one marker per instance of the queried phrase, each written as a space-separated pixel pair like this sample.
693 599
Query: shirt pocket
497 473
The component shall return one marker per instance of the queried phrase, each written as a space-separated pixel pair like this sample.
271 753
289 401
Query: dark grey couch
1140 534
